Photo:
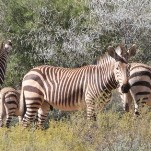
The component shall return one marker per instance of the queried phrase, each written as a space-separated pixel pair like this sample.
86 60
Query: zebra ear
132 50
111 51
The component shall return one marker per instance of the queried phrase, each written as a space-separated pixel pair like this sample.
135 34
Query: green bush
111 132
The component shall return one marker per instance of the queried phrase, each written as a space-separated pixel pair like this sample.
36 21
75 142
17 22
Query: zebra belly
73 107
69 98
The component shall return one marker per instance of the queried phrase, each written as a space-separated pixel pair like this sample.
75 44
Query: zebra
140 83
4 51
9 103
72 89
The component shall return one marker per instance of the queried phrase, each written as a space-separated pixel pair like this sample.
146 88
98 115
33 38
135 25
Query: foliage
111 132
71 33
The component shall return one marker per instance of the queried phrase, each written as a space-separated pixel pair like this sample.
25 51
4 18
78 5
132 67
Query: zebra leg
8 120
36 118
2 117
2 113
136 104
20 119
90 107
127 101
10 112
103 100
136 107
10 107
31 111
1 120
43 114
29 117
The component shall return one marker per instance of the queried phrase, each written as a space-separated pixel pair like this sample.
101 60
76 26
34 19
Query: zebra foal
71 89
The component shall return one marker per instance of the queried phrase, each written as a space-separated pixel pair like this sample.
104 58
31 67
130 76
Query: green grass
112 131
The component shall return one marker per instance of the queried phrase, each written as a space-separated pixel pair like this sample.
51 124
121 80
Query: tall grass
112 131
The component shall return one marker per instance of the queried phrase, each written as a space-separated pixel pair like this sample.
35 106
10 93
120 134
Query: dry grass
112 131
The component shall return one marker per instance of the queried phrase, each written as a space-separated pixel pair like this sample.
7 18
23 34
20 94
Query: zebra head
121 66
7 47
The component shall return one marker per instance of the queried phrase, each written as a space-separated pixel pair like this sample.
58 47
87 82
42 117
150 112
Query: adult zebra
4 51
9 105
140 83
71 89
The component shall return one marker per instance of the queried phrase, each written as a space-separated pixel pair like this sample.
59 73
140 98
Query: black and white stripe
9 106
73 89
4 51
9 103
140 83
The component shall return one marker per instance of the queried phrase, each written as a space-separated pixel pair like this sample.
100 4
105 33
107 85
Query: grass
112 131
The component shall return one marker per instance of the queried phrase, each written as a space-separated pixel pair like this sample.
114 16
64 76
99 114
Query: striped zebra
140 83
9 103
4 51
71 89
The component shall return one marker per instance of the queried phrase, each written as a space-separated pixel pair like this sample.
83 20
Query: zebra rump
140 83
9 103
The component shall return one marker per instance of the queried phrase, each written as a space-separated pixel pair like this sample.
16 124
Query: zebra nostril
125 88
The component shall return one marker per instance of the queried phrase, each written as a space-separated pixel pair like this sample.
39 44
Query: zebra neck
3 59
102 78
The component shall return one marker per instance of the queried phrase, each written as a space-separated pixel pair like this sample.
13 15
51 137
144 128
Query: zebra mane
102 59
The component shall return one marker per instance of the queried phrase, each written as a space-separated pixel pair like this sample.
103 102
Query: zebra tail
22 105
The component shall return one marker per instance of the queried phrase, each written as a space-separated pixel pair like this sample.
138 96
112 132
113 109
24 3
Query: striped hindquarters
9 103
140 81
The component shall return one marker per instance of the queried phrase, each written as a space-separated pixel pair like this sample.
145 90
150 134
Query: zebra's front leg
43 114
127 101
90 108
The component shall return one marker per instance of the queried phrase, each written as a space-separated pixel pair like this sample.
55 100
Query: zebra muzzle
125 88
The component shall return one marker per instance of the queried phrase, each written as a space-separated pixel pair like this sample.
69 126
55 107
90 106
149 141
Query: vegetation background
72 33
